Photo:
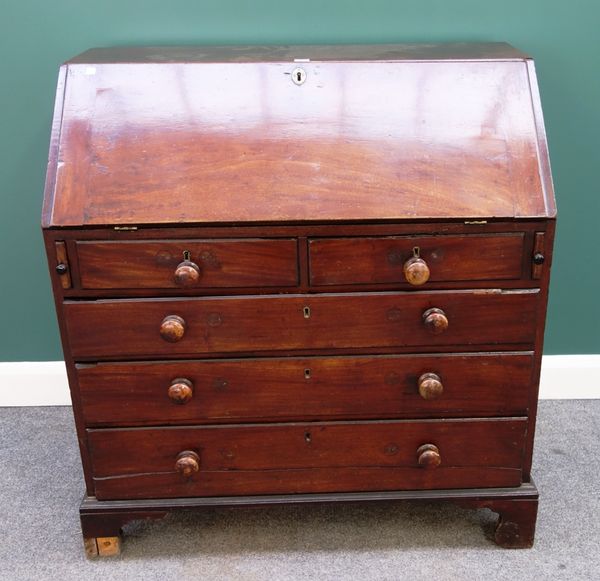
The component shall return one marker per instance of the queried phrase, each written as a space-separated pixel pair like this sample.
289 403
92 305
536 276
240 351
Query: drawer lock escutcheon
416 271
187 274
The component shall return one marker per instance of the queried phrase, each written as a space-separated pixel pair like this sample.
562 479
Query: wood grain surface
222 263
128 328
307 457
238 311
241 143
310 388
449 258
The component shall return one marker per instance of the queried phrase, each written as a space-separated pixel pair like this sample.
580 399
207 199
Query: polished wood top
239 142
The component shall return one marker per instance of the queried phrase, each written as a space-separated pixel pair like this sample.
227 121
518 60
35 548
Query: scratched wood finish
309 457
449 258
126 328
320 388
222 263
448 144
346 181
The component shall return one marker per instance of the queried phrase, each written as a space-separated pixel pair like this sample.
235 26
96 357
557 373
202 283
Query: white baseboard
40 383
25 383
570 377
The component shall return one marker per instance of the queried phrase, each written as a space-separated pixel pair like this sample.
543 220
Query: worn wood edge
539 348
69 367
90 546
44 383
124 54
496 224
102 546
90 505
541 142
105 546
50 183
515 528
516 523
316 424
386 220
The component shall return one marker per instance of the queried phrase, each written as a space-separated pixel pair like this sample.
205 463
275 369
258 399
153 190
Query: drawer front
309 388
130 328
220 263
342 261
306 457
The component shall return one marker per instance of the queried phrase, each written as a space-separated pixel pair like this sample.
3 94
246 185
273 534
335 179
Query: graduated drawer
130 328
309 388
219 263
306 457
371 260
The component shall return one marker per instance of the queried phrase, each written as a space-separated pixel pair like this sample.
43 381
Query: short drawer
180 327
306 457
209 263
305 388
347 261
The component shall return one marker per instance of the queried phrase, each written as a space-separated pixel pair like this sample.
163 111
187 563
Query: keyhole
186 255
307 437
306 312
298 76
307 374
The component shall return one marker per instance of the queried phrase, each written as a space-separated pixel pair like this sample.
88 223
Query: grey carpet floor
41 486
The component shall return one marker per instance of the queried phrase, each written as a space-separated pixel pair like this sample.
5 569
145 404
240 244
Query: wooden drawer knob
172 328
187 274
435 320
180 391
187 463
416 270
428 456
430 386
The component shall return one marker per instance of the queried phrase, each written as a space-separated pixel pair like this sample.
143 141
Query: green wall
37 35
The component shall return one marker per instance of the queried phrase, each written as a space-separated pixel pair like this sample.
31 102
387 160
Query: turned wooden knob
187 274
428 456
430 386
435 320
172 328
187 463
180 391
416 271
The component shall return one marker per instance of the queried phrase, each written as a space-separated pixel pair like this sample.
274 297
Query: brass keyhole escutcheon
415 269
188 273
306 312
307 374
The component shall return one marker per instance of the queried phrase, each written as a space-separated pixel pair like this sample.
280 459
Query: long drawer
309 388
306 457
129 328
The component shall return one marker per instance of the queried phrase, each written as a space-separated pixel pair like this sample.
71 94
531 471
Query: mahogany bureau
301 274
